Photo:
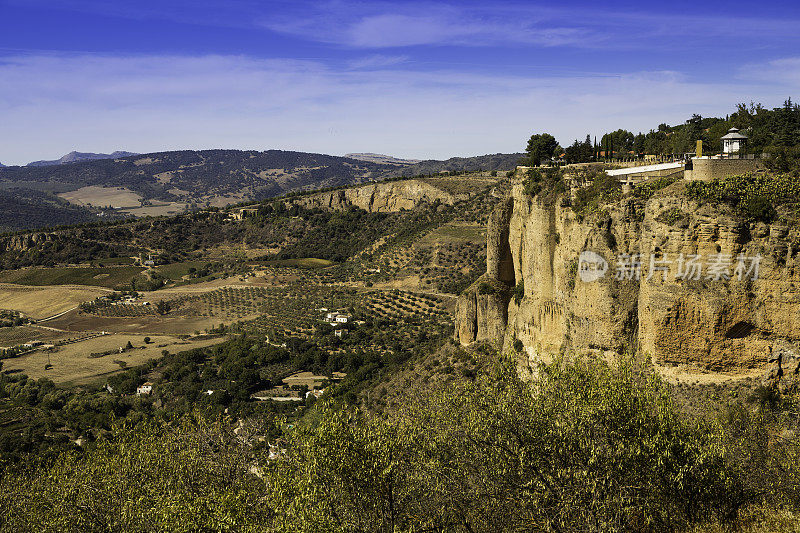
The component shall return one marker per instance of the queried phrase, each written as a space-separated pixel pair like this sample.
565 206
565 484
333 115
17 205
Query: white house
337 318
144 388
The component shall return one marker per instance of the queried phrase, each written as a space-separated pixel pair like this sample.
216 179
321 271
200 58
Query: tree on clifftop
540 147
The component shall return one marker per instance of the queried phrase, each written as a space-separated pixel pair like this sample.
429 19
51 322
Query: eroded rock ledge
708 325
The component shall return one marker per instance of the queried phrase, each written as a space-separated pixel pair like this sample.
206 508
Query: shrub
546 182
752 195
590 447
604 189
671 216
486 288
519 291
189 477
646 189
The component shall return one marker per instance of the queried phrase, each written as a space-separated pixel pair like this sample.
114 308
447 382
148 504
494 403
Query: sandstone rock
384 197
717 324
466 320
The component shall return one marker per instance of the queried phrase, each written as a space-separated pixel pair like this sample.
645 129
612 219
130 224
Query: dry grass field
117 197
73 365
468 184
157 210
143 325
456 233
43 302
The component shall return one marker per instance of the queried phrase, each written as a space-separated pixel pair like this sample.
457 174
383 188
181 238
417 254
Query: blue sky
412 79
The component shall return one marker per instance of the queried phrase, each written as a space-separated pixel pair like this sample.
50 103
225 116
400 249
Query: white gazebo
734 143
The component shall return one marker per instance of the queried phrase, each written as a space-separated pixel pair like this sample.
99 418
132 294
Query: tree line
773 131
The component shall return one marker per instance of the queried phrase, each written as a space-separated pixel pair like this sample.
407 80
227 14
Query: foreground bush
193 477
589 447
585 447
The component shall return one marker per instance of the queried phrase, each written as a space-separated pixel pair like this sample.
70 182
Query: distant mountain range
74 157
168 182
381 158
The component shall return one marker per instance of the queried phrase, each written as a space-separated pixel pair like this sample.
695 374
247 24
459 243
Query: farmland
43 302
110 276
75 364
117 197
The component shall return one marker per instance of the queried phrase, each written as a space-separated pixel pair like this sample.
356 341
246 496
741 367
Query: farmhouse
337 318
242 213
144 388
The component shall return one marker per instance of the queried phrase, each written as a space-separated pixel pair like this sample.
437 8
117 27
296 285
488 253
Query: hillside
230 322
268 271
381 158
173 182
489 162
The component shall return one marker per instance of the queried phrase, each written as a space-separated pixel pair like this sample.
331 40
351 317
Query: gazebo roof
733 133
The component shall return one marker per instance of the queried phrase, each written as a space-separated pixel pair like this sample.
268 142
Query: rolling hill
176 181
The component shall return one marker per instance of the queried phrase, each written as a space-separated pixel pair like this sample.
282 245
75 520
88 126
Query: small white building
144 388
337 318
734 142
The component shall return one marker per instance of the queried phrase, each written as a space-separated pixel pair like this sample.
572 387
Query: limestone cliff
25 241
709 324
381 197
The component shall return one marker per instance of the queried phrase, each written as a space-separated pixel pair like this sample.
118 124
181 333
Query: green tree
540 147
163 308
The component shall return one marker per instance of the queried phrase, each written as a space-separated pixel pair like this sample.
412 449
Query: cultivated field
157 210
110 276
74 363
140 325
14 336
43 302
117 197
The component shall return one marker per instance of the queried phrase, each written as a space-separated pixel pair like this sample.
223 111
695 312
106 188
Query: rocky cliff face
25 241
381 197
708 324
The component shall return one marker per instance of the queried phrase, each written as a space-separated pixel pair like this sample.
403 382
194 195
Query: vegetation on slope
587 447
30 209
754 195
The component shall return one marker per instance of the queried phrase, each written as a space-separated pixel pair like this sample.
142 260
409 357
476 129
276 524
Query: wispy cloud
382 24
783 72
377 61
391 25
151 103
